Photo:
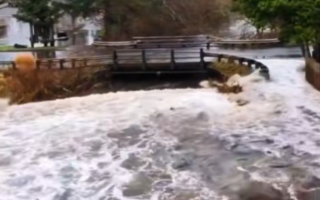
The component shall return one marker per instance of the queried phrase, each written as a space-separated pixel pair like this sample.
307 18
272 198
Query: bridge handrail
182 41
199 37
174 41
247 41
240 59
168 37
142 62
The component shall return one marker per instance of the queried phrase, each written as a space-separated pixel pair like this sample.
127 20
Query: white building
19 32
12 31
16 32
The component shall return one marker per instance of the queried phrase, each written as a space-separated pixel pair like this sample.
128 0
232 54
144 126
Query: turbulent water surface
178 144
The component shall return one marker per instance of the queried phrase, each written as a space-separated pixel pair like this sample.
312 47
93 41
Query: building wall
17 32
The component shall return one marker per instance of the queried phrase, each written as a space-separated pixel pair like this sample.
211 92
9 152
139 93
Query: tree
41 16
123 18
257 16
297 20
199 16
37 11
75 9
118 15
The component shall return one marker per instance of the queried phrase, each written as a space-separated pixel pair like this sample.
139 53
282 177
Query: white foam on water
76 148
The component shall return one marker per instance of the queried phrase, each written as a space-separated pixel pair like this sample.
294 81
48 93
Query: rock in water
180 163
132 163
242 102
205 84
234 80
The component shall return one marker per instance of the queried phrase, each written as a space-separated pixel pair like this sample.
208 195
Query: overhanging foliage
297 20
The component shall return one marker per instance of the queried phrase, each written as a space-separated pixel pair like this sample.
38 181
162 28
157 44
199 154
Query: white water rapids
161 144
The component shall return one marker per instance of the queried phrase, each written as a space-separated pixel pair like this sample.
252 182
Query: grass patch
5 48
231 68
27 84
3 86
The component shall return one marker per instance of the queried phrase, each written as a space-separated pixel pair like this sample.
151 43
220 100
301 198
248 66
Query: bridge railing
171 37
147 44
207 41
172 61
241 60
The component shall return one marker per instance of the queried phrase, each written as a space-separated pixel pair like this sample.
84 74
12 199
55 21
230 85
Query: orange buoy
25 62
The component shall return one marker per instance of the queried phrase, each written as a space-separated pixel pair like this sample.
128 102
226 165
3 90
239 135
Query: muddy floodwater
168 144
189 143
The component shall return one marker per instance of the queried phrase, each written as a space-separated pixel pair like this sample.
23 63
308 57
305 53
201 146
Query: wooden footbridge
206 41
152 56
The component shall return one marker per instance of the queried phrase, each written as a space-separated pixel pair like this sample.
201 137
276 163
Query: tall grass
27 84
230 68
40 85
3 86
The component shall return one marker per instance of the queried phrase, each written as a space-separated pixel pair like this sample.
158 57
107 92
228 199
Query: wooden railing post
38 62
73 63
258 65
61 63
85 62
264 72
208 45
202 62
115 59
50 64
13 65
144 60
250 63
241 60
172 60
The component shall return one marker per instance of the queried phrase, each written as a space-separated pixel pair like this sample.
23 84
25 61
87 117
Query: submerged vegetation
40 85
231 68
27 84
